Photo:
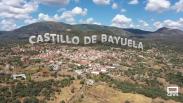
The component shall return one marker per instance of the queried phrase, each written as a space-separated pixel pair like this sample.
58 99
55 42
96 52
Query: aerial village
86 65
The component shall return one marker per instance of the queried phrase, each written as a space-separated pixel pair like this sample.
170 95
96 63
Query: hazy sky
142 14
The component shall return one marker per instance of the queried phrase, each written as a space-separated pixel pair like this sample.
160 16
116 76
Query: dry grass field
105 94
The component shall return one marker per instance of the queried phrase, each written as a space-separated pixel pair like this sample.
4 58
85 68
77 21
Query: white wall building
90 82
18 75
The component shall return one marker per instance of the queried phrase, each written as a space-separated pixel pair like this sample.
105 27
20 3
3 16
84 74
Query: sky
140 14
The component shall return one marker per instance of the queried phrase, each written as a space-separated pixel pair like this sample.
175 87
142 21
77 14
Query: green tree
62 101
31 100
16 101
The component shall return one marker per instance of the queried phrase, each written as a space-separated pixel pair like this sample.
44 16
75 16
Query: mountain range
163 35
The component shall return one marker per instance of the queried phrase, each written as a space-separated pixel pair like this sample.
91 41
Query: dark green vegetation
176 78
31 100
31 90
148 91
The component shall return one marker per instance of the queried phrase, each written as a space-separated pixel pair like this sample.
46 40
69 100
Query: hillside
161 38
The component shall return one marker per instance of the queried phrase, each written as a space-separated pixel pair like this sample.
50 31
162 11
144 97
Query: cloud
158 24
7 24
45 17
90 21
79 11
157 5
143 23
61 10
16 9
54 2
122 21
178 6
30 20
114 6
13 10
133 2
102 2
174 24
123 10
75 11
42 17
67 16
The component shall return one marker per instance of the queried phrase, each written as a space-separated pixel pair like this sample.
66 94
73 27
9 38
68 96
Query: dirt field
105 94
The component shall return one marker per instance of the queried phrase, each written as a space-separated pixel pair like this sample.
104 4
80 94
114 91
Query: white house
90 82
95 72
54 67
79 72
18 75
110 67
103 70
